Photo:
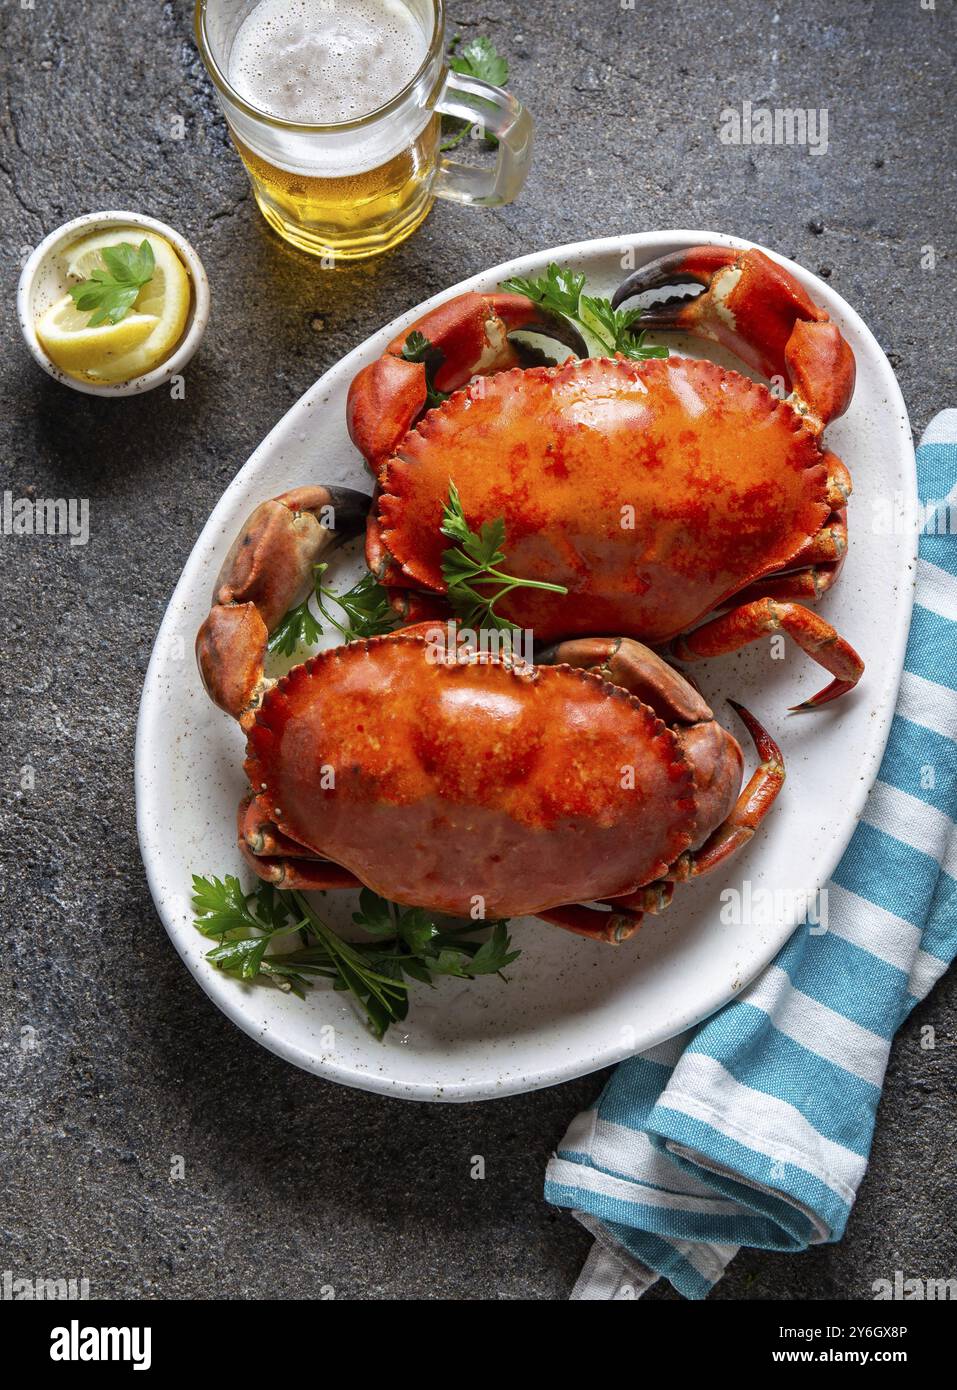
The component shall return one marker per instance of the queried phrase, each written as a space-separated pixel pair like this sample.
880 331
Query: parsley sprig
418 348
299 628
474 560
113 291
366 607
562 291
408 945
476 57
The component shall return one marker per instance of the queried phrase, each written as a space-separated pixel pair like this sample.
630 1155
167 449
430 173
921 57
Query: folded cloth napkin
754 1128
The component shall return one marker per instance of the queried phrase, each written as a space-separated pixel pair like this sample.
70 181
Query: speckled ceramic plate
571 1006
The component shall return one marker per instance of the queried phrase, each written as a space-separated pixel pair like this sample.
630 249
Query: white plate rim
223 990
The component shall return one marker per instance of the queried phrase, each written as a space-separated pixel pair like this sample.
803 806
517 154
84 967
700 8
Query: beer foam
318 62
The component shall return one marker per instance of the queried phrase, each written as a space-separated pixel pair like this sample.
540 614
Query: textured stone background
294 1183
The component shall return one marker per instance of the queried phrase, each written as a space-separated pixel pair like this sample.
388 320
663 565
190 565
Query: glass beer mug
336 106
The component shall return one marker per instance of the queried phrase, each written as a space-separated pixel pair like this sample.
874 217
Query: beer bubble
318 62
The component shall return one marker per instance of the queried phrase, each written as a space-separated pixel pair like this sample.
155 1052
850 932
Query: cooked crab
679 503
469 784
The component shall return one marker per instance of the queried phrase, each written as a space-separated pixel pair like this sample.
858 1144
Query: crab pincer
755 307
269 569
465 337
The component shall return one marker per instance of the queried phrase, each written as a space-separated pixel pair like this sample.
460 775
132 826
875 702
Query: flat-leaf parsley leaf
113 291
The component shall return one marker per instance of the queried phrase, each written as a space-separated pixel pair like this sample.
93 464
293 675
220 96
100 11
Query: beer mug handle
496 113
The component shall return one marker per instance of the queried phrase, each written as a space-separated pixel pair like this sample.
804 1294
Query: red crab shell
652 490
451 778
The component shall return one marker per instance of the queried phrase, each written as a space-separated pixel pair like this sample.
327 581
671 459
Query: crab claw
268 570
758 309
465 337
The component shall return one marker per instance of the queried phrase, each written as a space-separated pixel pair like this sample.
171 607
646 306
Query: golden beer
352 216
335 107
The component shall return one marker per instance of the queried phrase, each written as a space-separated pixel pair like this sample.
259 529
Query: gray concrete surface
293 1183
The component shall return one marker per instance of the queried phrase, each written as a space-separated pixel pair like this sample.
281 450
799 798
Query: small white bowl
44 281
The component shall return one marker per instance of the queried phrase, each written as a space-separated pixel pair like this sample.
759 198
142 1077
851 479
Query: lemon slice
92 352
166 298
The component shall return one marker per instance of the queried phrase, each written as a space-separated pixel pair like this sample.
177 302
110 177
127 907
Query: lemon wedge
138 343
96 353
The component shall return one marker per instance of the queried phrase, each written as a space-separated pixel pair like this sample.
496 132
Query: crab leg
803 586
828 546
653 898
611 927
263 836
759 310
307 875
821 562
839 485
752 806
816 567
749 621
268 571
278 860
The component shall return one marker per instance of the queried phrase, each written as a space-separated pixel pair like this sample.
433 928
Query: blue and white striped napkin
754 1128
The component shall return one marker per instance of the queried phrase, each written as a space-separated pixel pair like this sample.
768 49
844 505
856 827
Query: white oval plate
571 1006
